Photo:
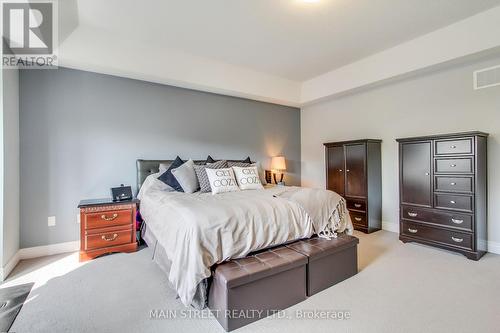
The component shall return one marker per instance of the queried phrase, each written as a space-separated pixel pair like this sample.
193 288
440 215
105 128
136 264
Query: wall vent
486 78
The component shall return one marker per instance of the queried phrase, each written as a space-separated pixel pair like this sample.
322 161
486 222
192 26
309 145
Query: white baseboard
389 226
493 247
9 266
36 252
48 250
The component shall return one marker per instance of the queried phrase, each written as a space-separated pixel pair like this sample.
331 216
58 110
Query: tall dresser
353 170
443 192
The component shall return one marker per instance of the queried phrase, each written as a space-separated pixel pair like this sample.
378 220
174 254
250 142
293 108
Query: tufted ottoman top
316 248
254 267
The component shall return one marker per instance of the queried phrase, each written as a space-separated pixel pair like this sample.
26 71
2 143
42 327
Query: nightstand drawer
108 239
108 218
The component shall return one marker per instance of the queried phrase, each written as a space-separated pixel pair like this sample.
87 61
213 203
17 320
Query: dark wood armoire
353 170
443 191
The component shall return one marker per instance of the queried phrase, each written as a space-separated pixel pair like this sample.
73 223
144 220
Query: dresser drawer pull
457 221
109 218
427 174
358 219
357 205
453 165
413 231
412 214
348 170
340 170
457 240
103 237
453 184
453 147
453 202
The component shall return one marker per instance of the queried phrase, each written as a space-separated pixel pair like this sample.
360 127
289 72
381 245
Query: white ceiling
285 38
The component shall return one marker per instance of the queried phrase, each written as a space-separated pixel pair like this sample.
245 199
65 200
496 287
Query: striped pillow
202 174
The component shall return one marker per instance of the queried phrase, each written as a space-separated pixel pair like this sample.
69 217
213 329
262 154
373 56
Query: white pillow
248 178
222 180
186 177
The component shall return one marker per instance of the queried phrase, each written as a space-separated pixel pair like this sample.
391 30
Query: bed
190 233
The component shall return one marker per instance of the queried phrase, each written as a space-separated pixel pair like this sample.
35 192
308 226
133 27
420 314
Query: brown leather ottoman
248 289
330 261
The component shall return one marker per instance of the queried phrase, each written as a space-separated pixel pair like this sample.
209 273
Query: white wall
434 103
10 164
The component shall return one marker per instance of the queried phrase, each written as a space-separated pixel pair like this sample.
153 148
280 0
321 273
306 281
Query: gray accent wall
81 133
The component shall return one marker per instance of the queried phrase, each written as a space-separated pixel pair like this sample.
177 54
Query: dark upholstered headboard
149 167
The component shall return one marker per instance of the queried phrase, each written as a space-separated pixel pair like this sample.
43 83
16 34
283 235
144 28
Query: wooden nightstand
106 227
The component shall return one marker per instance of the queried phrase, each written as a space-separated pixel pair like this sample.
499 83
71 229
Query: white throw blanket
199 230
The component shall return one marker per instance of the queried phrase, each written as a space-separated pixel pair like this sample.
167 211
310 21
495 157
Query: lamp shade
278 163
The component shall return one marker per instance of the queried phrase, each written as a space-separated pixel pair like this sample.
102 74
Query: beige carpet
400 288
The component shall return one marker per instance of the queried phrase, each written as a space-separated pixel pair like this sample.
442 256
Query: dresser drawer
454 202
454 165
108 239
443 236
358 218
108 218
454 184
456 220
356 204
450 147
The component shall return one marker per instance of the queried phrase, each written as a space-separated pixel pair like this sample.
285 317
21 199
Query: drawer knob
105 238
453 147
412 214
457 221
348 170
413 231
357 205
427 173
453 184
340 170
453 202
453 165
457 240
358 219
109 218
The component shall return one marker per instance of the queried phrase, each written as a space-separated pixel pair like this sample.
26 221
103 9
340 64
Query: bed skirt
159 256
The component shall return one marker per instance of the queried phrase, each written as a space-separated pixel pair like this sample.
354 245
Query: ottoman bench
248 289
329 261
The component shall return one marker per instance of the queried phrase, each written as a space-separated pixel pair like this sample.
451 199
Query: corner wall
10 118
442 101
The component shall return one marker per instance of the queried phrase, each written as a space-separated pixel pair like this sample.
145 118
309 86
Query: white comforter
199 230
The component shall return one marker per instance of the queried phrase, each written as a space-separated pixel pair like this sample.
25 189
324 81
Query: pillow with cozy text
248 178
222 180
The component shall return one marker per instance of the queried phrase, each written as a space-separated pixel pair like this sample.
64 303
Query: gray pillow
202 174
186 177
231 164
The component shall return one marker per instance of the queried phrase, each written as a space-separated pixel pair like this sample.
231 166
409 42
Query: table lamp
278 165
